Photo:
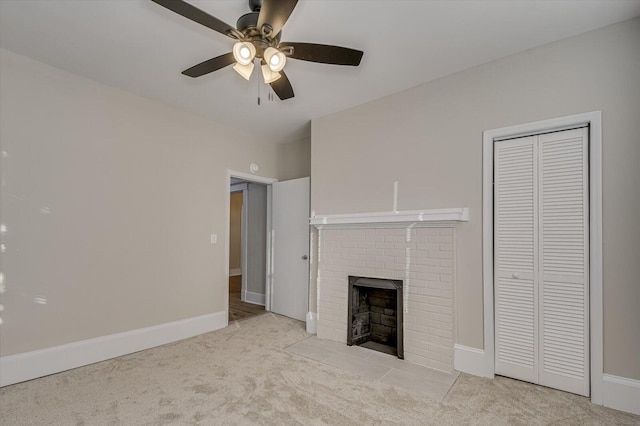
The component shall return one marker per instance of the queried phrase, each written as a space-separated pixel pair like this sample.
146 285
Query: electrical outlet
214 238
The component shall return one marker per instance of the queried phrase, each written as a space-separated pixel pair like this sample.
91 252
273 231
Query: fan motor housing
247 25
247 21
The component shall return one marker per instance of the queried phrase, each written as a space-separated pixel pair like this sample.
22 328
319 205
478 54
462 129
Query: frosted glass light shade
244 70
269 76
244 52
275 59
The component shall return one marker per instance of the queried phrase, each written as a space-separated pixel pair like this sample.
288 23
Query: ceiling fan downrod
255 5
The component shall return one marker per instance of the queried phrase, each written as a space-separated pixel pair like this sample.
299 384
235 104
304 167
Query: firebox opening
375 314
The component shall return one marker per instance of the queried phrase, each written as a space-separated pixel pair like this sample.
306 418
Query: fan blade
275 13
324 54
191 12
282 87
210 66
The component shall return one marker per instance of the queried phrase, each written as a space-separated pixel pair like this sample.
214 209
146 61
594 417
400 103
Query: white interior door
290 254
541 259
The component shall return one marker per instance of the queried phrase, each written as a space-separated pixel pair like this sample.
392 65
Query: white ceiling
141 47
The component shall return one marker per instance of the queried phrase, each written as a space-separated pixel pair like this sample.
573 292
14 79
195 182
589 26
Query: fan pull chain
270 93
259 92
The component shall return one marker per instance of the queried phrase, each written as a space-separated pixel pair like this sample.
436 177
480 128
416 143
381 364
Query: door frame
255 179
489 137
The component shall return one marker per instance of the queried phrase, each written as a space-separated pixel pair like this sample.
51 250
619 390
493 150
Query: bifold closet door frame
596 347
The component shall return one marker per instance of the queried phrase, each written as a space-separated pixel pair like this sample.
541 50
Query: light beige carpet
243 376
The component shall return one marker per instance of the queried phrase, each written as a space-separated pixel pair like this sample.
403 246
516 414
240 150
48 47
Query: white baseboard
255 298
621 393
312 322
469 360
30 365
235 272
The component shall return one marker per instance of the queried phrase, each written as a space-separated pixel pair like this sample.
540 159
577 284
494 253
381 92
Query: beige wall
429 139
294 159
235 230
109 201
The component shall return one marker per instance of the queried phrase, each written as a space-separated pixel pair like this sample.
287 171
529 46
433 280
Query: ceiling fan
258 36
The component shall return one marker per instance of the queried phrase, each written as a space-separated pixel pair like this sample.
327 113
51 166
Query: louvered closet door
515 268
564 261
541 258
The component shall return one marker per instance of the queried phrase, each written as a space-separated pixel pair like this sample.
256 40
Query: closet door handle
515 275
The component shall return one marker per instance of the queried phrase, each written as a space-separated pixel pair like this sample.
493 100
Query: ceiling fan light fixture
257 35
275 59
244 52
244 70
269 76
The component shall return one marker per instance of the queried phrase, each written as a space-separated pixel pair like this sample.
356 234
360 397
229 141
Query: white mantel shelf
413 218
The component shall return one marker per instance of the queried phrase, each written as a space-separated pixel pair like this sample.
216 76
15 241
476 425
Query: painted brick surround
423 258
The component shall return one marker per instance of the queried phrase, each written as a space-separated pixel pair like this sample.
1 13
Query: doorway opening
278 258
247 248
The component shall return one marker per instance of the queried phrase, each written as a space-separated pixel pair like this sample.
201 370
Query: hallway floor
239 310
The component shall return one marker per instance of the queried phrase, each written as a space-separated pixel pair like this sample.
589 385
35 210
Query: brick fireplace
421 257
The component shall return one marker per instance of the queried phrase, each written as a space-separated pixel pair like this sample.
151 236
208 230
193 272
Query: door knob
305 257
515 275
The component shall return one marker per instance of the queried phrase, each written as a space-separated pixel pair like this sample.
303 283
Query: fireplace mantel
397 219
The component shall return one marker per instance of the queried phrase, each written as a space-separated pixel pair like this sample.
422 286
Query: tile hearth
376 366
